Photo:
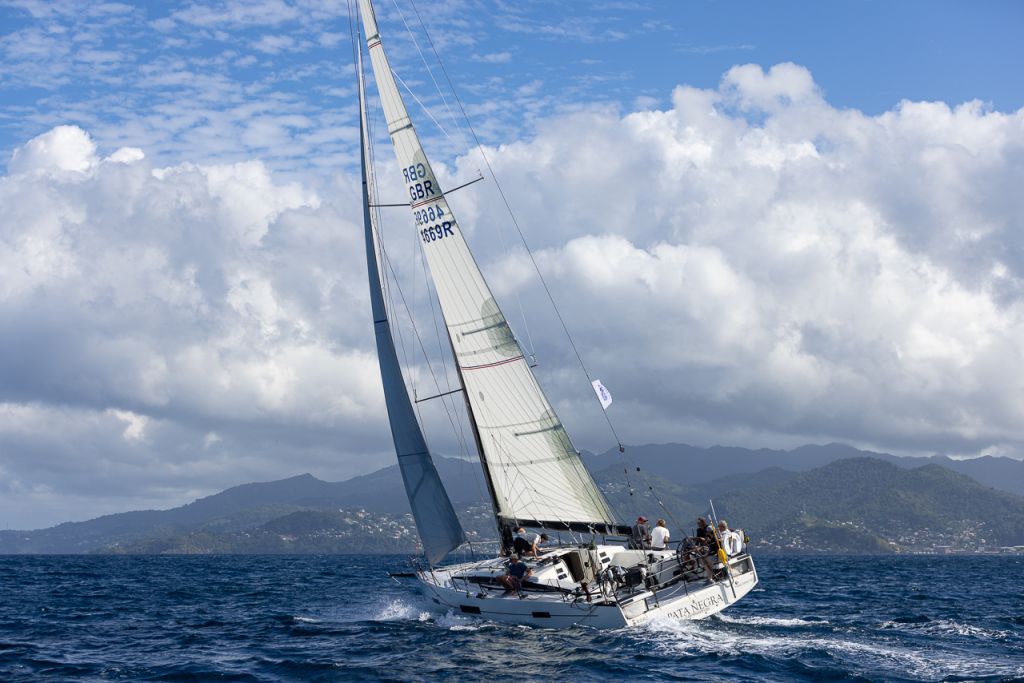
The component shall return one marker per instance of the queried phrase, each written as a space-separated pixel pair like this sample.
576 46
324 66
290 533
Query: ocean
340 618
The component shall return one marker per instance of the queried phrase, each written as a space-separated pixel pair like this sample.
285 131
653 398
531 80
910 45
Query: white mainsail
535 474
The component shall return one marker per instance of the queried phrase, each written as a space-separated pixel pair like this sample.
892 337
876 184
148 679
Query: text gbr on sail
418 190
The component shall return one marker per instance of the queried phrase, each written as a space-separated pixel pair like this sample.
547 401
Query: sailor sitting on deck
517 573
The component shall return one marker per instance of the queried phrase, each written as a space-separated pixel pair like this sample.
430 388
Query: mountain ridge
684 476
682 462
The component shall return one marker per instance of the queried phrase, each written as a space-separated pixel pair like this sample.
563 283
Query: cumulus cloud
150 307
754 265
65 148
749 265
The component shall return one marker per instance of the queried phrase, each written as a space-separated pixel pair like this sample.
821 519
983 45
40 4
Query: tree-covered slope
899 507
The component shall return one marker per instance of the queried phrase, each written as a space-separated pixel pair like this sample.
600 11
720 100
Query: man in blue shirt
517 573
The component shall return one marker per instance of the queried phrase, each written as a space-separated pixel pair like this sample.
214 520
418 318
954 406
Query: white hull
467 589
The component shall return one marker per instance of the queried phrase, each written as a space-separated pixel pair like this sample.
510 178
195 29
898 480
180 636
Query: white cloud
329 39
127 155
135 429
755 262
247 13
146 309
749 265
494 58
273 45
65 148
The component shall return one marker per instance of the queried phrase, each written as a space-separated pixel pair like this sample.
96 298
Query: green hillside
860 504
852 505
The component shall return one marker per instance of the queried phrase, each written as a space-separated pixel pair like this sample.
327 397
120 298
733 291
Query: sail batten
533 470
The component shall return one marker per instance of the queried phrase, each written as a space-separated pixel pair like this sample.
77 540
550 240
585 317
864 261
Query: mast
438 526
479 447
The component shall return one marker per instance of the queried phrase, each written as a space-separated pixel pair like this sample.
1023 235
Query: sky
765 224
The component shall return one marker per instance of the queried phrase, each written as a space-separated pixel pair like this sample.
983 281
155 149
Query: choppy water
340 618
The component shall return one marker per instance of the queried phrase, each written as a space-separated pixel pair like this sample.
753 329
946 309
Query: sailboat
534 476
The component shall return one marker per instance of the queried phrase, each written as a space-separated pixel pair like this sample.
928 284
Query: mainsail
438 527
534 473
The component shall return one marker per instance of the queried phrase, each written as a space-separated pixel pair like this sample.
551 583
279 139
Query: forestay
536 474
438 527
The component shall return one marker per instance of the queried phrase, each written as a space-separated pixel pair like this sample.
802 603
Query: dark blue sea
332 618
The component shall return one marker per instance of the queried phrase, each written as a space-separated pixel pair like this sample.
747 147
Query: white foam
399 610
769 621
947 627
696 638
306 620
456 622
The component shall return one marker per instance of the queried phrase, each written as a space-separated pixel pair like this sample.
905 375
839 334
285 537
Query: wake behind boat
534 474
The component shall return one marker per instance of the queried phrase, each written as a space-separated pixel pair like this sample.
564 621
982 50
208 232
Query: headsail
438 527
535 473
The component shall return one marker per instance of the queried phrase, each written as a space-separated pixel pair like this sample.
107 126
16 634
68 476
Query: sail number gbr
420 187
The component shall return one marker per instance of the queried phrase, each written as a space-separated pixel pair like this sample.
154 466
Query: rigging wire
459 431
390 284
515 222
463 140
422 106
430 72
375 210
579 471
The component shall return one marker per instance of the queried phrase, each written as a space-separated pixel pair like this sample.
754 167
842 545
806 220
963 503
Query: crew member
659 536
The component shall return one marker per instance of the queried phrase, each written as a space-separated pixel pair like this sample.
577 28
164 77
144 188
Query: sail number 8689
436 232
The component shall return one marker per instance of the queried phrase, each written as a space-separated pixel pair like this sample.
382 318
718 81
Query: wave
868 656
944 627
456 622
769 621
400 609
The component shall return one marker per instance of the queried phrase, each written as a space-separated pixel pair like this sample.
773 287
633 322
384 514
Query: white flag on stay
603 395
